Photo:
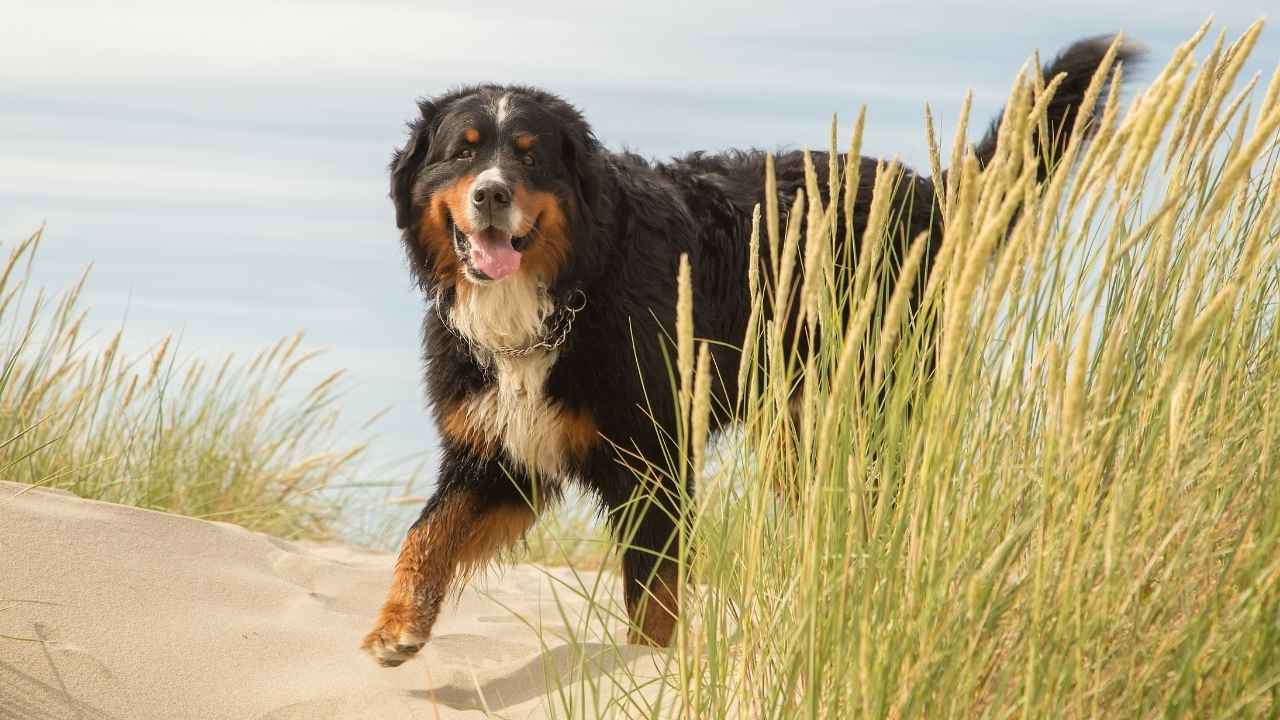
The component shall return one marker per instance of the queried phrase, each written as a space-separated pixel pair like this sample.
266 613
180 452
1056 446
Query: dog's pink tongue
492 254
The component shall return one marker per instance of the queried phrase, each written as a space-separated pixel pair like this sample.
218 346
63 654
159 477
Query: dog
549 267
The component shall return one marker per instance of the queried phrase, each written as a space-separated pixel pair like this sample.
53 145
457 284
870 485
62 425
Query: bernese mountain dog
548 264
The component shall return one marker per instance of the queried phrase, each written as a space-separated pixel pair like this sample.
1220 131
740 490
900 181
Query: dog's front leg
646 525
476 510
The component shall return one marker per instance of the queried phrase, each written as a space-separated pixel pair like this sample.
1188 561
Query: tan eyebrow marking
526 141
471 135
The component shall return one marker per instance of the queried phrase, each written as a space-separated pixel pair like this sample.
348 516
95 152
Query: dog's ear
584 157
406 162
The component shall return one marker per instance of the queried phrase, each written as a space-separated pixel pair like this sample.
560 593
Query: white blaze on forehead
492 173
502 108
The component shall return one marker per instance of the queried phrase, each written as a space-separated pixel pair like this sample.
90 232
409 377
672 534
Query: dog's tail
1080 62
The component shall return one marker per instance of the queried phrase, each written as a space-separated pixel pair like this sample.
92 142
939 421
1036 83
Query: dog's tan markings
456 538
471 135
549 251
457 424
494 530
579 432
653 615
526 141
436 235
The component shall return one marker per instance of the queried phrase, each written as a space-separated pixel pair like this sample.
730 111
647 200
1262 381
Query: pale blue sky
222 165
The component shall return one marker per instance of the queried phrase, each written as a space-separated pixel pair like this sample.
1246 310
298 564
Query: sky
223 165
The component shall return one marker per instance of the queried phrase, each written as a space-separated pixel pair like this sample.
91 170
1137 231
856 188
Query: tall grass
1074 511
237 441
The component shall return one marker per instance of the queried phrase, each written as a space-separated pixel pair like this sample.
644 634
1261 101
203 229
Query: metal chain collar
552 339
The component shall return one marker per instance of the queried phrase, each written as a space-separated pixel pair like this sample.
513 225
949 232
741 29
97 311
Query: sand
108 611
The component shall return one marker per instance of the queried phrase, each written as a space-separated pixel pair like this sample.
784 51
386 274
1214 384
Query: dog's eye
527 159
465 154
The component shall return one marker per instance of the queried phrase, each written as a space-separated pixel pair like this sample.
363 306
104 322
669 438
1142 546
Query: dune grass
1077 514
238 441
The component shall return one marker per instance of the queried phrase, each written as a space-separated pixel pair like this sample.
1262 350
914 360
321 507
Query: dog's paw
394 639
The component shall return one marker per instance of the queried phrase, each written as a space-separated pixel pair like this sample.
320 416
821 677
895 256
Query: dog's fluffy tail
1079 61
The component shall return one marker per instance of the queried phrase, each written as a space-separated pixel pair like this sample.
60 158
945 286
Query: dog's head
496 181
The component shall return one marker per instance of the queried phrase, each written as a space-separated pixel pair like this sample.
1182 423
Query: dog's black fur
608 228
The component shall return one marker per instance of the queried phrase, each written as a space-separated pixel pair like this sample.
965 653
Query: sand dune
108 611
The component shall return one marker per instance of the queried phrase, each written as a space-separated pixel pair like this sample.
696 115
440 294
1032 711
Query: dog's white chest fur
515 413
518 415
509 313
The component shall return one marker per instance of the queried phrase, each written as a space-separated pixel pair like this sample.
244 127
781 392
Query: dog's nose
491 192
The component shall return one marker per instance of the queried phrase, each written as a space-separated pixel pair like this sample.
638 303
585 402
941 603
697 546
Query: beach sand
108 611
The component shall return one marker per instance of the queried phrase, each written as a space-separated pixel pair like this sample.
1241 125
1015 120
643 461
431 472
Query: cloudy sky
222 164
